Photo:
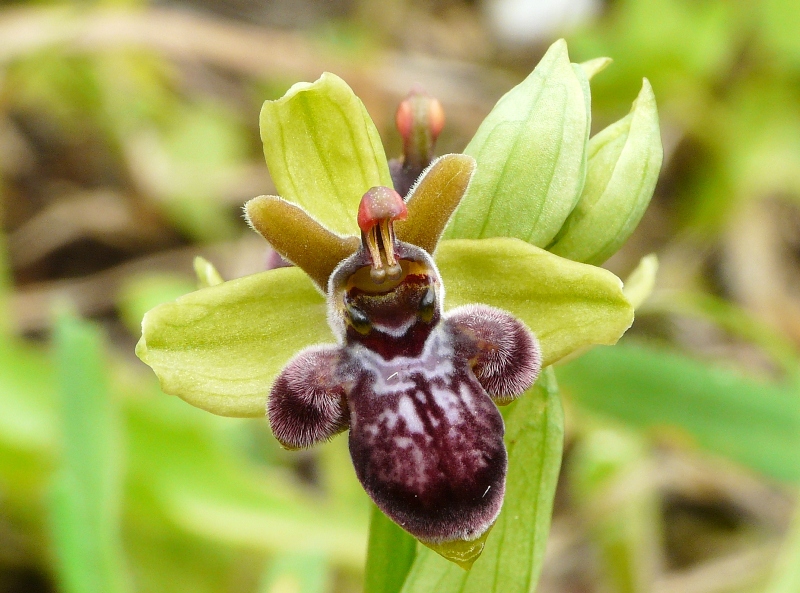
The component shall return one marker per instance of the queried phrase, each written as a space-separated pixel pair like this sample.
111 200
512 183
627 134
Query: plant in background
535 206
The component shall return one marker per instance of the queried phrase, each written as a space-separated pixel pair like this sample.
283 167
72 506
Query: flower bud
624 161
419 119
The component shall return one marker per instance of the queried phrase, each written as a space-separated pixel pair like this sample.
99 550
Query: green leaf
220 348
28 430
786 577
608 477
567 305
296 573
390 554
85 511
323 151
731 318
624 162
28 422
531 154
752 422
512 559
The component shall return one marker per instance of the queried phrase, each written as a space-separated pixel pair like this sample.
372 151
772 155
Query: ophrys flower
223 347
412 384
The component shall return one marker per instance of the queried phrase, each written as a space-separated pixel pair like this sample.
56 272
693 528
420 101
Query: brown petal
433 200
299 238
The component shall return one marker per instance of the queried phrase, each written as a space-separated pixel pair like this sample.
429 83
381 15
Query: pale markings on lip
394 376
468 398
396 332
449 403
406 411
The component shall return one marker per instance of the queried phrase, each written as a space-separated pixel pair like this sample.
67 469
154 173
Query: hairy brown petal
299 238
433 200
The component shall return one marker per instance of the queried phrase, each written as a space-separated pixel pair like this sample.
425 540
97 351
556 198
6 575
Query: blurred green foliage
727 78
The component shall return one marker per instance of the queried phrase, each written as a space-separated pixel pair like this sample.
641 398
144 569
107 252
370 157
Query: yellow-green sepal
220 348
323 150
531 155
568 305
624 162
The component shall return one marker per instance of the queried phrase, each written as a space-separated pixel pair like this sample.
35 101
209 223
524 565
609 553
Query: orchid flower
407 319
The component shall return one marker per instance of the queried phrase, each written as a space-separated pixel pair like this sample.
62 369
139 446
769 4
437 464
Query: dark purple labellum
427 441
416 388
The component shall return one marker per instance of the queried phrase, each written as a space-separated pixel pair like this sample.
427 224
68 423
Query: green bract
221 347
531 153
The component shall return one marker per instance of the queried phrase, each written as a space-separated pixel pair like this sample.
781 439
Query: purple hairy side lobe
506 358
307 403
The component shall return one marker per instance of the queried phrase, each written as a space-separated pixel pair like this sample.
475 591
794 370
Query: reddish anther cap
380 203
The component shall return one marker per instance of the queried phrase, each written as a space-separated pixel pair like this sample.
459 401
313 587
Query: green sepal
624 162
323 150
220 348
568 305
531 155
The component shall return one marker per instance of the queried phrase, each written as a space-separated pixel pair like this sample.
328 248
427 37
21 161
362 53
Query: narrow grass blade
85 500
